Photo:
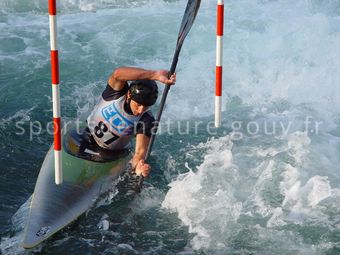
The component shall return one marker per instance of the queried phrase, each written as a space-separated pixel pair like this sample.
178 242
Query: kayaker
123 112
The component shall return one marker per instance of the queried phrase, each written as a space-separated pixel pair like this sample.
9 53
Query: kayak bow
55 206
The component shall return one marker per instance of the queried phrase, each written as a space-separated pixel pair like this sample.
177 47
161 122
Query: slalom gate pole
52 7
219 59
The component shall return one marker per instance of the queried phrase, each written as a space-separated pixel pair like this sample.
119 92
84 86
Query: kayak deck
55 206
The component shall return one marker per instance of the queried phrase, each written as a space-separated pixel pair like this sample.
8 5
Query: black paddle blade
187 21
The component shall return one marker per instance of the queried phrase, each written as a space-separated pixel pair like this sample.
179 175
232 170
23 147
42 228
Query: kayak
87 173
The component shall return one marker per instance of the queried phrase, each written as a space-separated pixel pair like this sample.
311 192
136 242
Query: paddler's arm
142 168
121 75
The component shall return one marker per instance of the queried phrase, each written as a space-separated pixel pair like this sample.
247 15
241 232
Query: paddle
187 21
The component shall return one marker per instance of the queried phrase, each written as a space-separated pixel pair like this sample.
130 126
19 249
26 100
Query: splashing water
266 183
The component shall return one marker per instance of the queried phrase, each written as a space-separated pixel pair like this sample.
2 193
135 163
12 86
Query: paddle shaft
159 115
187 21
162 104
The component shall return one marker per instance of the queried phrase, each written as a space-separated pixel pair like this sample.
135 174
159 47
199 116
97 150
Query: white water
282 58
266 193
222 199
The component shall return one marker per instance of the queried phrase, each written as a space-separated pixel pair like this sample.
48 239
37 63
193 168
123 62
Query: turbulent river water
267 182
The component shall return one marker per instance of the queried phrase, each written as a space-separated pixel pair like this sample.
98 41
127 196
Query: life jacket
110 125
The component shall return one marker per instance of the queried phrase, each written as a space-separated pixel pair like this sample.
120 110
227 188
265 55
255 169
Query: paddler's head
141 95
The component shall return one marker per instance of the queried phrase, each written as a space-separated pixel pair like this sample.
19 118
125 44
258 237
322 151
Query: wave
67 6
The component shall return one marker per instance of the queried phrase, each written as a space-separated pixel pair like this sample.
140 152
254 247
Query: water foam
204 200
277 53
12 244
222 200
67 6
266 57
22 116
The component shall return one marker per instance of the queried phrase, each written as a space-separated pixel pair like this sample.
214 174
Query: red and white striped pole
52 7
219 58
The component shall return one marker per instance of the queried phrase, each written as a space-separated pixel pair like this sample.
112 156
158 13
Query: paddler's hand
162 76
142 168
